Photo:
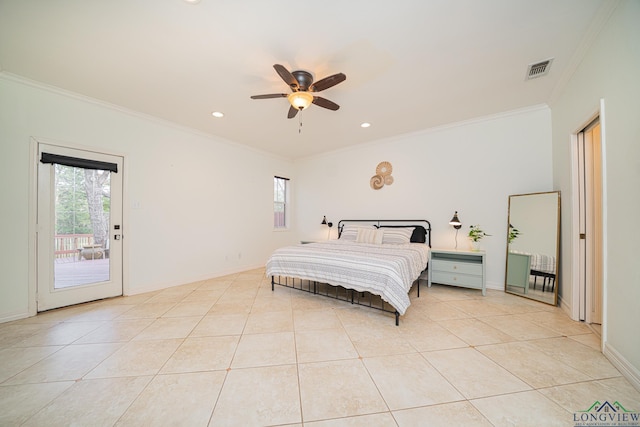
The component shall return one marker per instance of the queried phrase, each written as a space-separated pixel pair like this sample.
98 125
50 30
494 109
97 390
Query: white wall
470 167
610 72
205 205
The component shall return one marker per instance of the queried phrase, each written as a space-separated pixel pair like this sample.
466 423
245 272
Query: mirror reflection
532 246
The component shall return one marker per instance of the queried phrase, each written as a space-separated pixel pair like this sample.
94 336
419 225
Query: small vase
475 246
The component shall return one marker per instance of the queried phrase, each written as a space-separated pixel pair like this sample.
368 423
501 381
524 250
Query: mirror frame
557 249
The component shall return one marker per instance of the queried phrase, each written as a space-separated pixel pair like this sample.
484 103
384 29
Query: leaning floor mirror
533 237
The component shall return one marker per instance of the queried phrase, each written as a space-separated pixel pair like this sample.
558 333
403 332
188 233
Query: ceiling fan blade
327 82
325 103
271 95
287 77
292 112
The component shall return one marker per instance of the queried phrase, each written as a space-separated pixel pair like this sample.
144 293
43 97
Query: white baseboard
161 286
497 286
10 317
628 371
564 306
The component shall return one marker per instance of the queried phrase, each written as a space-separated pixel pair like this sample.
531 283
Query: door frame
32 288
575 220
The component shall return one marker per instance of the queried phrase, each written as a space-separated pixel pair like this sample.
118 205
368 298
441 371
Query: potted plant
476 234
513 233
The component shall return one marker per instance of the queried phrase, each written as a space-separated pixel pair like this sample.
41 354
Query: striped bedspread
384 270
543 263
540 262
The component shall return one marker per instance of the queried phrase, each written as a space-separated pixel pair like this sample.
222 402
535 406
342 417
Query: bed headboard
422 226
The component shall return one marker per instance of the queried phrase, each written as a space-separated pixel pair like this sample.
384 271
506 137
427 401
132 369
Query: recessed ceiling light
192 1
365 125
217 114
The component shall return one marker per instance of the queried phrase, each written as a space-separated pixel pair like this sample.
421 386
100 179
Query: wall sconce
328 224
457 224
455 221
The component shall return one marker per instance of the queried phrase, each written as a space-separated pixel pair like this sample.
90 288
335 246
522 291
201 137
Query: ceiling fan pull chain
300 122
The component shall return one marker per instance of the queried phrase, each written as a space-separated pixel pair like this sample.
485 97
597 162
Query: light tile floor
230 352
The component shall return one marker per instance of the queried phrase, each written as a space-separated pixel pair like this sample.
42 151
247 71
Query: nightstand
453 267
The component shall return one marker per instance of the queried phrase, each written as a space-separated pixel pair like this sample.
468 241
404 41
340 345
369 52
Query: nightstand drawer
465 269
439 265
457 279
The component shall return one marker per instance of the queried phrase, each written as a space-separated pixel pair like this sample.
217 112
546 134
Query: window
280 200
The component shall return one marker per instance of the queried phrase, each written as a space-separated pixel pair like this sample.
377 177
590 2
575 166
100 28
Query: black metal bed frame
341 293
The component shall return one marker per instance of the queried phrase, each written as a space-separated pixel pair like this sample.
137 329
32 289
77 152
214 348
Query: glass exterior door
79 226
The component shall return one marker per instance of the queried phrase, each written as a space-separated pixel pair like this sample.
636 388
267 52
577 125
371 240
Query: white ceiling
410 64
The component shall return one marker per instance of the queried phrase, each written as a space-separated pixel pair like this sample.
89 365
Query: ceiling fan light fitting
300 100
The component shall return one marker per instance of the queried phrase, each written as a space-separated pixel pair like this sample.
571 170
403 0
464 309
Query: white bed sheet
384 270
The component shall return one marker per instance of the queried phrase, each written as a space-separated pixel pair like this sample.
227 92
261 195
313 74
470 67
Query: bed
373 263
543 266
524 264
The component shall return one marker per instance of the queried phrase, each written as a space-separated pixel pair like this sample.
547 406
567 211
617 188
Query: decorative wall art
382 177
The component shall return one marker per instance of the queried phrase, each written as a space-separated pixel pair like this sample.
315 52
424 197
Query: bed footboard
365 299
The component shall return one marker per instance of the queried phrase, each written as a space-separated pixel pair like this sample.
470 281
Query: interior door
590 205
582 226
594 224
79 250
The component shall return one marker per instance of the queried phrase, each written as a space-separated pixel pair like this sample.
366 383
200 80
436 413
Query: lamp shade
455 221
324 220
300 100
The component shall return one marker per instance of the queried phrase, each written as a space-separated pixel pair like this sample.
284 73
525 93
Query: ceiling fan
303 89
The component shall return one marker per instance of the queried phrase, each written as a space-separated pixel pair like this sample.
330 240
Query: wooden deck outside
73 272
71 268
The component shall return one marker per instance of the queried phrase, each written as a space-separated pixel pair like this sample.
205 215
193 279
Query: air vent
538 69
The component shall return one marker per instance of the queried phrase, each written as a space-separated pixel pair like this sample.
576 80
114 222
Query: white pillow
396 236
350 232
369 235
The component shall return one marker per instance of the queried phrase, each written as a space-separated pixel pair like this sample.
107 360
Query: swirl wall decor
382 176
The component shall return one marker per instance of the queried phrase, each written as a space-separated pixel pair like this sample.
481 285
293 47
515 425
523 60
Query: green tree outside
72 204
